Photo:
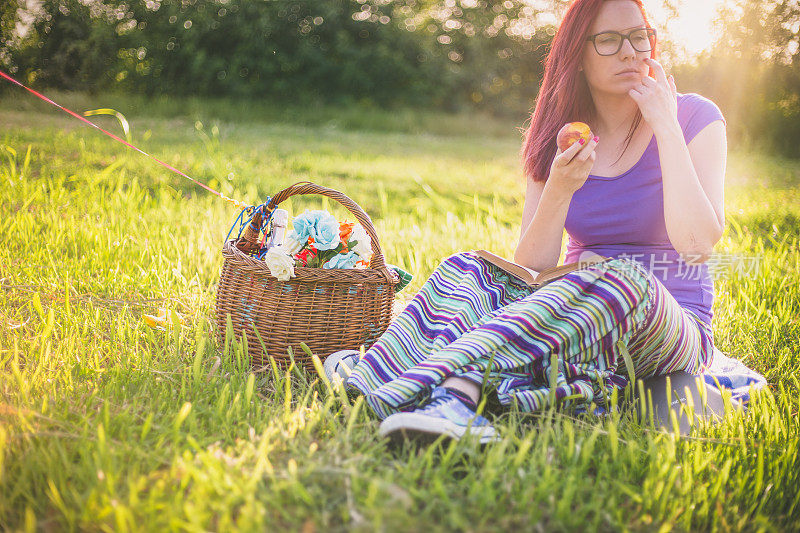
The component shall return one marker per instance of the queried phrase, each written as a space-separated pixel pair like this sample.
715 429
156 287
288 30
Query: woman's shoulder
692 103
695 112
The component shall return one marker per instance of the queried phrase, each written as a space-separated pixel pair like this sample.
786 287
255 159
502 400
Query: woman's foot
447 413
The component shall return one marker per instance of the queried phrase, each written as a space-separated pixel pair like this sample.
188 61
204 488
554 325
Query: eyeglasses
608 43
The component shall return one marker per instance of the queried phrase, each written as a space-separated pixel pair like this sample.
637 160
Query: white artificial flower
290 244
280 264
364 246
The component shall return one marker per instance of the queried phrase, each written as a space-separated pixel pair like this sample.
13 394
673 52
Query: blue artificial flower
303 225
347 260
326 232
320 225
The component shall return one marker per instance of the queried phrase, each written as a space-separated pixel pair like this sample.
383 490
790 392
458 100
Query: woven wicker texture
327 309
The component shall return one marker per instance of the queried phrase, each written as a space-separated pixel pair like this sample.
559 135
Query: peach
571 132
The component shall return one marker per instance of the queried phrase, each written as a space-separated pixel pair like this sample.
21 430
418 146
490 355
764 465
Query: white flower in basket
280 264
364 246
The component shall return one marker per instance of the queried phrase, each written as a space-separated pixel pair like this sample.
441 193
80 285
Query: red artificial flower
306 255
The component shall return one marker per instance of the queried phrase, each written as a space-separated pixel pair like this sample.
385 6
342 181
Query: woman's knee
457 258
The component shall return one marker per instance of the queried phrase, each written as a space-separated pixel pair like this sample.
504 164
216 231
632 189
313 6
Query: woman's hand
571 167
657 98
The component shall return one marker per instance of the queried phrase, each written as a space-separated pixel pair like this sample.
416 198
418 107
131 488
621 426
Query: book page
561 270
525 274
532 277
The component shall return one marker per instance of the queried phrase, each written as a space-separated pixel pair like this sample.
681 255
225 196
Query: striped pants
472 320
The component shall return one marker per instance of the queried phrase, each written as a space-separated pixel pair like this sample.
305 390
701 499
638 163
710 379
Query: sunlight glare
692 30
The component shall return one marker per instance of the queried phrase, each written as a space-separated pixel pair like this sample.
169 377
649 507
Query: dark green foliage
333 51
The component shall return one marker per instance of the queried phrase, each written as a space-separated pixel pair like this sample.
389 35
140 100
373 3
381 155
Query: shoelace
440 399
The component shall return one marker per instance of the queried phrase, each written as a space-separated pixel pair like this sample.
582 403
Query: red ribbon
238 204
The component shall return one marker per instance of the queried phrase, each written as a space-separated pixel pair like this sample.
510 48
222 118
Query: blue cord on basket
243 223
238 219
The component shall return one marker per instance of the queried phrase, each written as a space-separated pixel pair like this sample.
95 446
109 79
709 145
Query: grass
107 424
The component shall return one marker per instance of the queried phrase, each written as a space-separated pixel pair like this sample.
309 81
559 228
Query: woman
652 204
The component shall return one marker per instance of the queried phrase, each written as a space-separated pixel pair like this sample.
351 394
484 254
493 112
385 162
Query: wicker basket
327 309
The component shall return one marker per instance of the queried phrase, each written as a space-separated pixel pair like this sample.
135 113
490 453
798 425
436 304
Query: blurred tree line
442 53
447 54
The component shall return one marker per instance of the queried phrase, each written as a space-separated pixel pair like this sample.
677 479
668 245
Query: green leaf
114 113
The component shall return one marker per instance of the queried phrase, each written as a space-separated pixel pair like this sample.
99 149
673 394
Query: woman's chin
627 83
621 89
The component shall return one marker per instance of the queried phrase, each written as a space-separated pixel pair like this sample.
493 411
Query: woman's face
604 73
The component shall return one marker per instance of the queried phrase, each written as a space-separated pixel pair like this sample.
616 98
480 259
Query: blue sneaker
338 365
445 415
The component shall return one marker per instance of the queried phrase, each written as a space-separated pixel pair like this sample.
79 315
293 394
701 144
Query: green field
108 424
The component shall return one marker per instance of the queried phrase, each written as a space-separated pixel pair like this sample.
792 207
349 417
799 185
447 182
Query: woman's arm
692 176
693 181
542 228
547 203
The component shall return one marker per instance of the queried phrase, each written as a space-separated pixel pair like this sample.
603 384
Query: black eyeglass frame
624 36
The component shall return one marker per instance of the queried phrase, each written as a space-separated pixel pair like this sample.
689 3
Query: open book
537 279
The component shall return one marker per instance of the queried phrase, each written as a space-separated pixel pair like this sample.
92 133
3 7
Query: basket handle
306 187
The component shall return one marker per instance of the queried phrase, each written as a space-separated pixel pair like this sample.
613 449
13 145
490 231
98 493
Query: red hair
564 95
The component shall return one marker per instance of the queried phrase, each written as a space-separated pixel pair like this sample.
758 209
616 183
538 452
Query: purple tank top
624 216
